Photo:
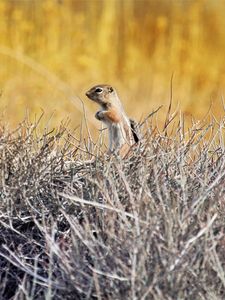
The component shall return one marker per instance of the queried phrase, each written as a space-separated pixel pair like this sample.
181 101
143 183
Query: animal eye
98 90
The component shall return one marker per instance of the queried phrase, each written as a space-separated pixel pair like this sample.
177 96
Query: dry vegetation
147 227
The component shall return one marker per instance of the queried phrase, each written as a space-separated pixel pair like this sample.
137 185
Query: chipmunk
122 133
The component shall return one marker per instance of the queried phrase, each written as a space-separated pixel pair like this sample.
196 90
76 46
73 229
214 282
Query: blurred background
52 51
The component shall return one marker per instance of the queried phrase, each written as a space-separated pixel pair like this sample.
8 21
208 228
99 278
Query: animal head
101 94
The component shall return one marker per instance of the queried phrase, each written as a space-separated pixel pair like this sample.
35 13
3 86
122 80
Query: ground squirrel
122 133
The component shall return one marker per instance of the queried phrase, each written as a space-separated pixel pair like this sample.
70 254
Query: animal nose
89 95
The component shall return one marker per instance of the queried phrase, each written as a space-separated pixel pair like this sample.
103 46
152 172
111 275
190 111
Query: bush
150 226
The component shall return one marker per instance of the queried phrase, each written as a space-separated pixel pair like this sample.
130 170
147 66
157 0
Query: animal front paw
99 115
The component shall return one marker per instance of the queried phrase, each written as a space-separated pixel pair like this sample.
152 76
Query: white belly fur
117 136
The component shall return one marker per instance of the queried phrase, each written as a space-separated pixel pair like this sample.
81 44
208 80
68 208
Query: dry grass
147 227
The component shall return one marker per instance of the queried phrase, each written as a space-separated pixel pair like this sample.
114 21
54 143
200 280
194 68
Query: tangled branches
150 226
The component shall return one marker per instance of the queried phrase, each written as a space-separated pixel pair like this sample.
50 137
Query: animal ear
110 89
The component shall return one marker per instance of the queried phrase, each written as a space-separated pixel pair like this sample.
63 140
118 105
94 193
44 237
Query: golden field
52 51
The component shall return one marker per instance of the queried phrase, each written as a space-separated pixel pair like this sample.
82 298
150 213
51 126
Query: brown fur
112 115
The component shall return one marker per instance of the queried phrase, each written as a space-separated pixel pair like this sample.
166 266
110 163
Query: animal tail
135 130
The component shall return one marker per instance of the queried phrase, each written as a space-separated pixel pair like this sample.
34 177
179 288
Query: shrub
150 226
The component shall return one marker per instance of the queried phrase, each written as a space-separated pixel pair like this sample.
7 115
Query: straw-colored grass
134 45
